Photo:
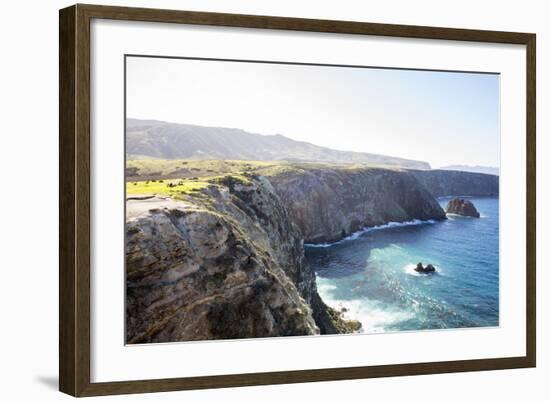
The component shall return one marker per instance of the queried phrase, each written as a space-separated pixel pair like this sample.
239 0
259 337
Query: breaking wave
359 233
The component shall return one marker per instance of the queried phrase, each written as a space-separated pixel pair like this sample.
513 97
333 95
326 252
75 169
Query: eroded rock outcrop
462 207
226 262
330 203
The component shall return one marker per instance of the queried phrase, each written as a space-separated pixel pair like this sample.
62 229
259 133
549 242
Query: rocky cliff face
449 183
226 262
462 207
328 204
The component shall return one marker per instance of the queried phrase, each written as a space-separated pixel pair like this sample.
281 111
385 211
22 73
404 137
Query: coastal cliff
222 256
457 183
224 261
328 204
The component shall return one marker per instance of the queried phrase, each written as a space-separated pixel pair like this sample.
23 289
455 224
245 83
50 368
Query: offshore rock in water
462 207
421 269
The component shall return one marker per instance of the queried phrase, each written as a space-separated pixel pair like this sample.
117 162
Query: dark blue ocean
371 274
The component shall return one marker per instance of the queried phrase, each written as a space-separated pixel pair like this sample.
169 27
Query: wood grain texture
301 24
67 131
82 199
74 199
531 229
302 376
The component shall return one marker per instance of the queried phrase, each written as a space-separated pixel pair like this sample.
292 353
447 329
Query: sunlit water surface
371 274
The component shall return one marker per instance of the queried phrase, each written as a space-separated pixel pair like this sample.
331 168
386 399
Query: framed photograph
305 200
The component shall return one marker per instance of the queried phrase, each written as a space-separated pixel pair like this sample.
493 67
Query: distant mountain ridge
163 140
473 169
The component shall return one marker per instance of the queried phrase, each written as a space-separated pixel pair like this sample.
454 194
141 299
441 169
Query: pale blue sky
440 117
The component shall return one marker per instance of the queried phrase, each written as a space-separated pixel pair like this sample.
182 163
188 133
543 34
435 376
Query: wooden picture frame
74 199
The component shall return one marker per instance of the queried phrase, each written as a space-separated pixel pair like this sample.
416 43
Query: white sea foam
453 216
324 287
409 269
357 234
373 315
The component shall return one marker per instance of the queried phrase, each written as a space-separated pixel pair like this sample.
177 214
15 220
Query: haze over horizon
443 118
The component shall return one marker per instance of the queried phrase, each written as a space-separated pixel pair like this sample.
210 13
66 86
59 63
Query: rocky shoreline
227 261
330 204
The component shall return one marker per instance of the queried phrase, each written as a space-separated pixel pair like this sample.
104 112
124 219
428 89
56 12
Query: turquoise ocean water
371 276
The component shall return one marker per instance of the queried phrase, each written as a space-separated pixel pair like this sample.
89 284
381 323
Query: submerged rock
421 269
462 207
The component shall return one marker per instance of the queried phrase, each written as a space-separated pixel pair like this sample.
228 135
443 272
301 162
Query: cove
370 275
